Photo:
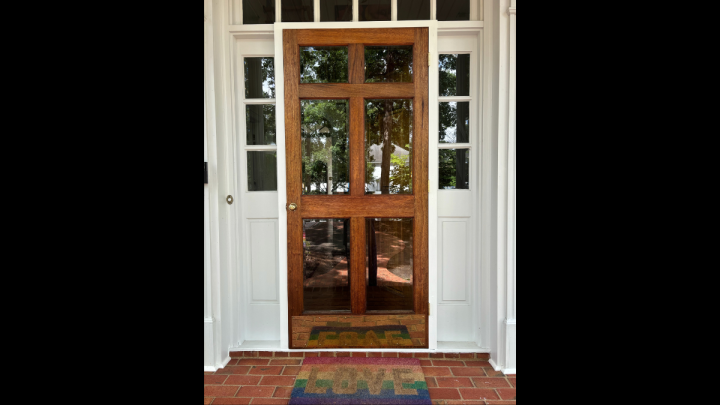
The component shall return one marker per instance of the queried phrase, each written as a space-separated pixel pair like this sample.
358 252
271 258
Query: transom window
266 11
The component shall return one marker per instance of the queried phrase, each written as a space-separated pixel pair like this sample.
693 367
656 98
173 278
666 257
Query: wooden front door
356 130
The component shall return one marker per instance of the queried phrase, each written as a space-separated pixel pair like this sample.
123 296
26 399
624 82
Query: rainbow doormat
360 380
384 336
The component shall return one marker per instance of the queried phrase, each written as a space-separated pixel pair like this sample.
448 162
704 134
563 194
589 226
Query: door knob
292 206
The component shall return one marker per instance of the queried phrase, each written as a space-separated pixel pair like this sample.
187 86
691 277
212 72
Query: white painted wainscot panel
454 306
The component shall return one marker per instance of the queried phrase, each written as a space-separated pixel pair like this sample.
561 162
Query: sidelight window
260 136
454 123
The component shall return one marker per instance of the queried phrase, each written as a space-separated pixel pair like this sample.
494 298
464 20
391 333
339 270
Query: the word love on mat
360 380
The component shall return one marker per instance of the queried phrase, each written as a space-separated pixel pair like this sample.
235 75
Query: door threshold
442 347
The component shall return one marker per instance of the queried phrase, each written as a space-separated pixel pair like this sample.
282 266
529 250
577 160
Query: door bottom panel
359 331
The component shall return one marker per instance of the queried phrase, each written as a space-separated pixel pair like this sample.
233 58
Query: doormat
383 336
410 326
360 380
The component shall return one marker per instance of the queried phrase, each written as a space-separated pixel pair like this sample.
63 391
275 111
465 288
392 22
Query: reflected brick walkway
268 377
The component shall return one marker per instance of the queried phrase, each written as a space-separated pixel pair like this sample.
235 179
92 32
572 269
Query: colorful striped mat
360 380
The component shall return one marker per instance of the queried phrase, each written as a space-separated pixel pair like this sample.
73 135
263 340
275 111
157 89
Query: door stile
357 147
357 265
421 187
356 75
293 184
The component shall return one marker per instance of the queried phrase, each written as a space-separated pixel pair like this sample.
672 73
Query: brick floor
254 377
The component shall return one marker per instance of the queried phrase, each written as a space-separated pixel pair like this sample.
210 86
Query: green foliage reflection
388 64
324 140
259 78
388 146
327 64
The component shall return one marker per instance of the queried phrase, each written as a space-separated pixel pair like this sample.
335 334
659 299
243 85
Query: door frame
432 166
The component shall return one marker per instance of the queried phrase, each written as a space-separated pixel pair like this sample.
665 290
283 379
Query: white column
212 352
506 188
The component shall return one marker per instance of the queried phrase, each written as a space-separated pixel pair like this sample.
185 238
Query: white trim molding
506 187
212 335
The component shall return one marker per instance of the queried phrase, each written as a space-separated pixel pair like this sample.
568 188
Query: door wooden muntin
357 206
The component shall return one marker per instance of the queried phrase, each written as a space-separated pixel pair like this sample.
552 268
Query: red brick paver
507 393
278 381
255 391
232 401
445 382
243 380
444 393
282 392
491 382
255 377
479 393
220 390
215 379
270 370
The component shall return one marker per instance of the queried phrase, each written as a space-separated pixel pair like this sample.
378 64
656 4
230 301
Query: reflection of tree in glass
447 169
448 122
268 69
388 64
448 81
454 168
454 75
324 140
388 123
327 64
260 124
259 78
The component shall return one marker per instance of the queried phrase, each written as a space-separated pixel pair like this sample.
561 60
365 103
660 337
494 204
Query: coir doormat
360 380
370 336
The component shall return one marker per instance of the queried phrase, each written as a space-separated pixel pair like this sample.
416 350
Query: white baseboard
258 345
493 364
442 347
224 363
509 371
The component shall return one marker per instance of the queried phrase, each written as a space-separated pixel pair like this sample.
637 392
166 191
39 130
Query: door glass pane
258 11
296 10
455 10
454 122
389 272
454 167
262 171
374 10
324 141
388 146
454 75
413 10
259 78
388 64
323 64
326 251
260 124
335 10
